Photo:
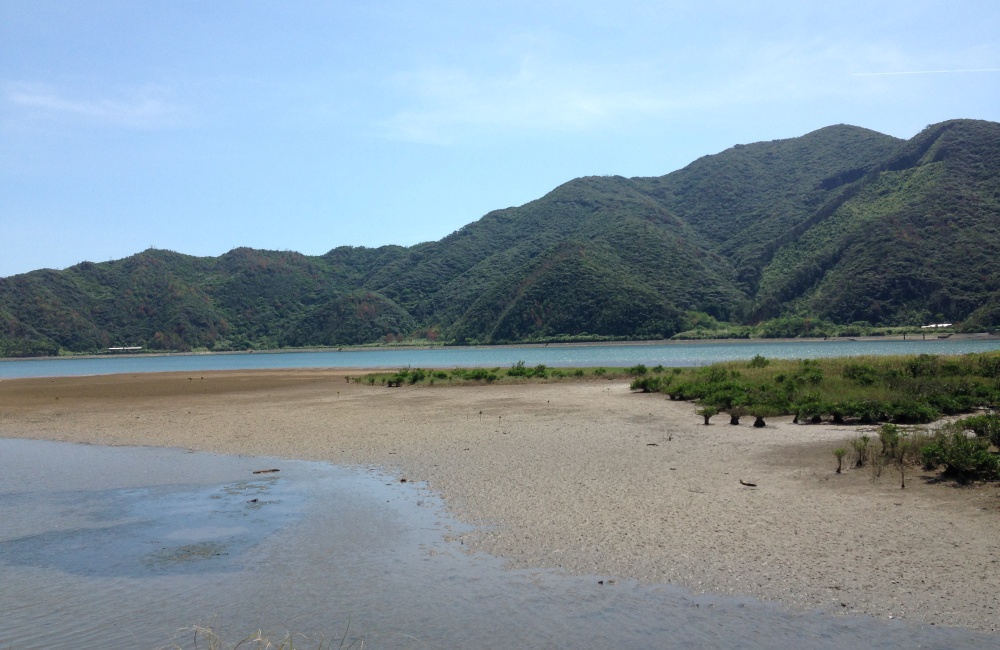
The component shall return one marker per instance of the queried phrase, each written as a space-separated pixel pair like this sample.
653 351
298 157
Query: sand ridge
584 476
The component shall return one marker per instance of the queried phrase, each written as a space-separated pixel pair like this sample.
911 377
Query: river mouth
132 546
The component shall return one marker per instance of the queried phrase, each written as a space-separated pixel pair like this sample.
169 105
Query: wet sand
585 476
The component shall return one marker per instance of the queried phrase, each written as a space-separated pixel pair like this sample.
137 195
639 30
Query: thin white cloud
904 72
444 104
538 93
542 83
145 107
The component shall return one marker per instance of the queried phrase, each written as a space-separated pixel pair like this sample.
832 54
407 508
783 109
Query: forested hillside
842 225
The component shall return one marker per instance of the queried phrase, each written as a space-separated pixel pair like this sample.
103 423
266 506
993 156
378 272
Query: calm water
667 354
124 547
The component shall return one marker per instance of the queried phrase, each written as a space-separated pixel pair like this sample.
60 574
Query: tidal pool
131 547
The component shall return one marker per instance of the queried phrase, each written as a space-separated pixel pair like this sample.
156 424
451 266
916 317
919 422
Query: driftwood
742 482
266 471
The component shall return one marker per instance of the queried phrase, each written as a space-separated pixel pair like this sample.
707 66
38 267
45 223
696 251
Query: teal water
667 354
128 547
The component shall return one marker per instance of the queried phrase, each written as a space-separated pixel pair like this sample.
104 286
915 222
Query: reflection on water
124 547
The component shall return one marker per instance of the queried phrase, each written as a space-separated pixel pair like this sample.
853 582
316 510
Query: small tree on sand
760 412
860 445
735 413
840 452
902 451
707 412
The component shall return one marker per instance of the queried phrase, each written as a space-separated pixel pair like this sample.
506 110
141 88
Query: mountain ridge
842 225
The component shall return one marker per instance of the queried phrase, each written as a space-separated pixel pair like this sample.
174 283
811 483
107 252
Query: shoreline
978 336
584 476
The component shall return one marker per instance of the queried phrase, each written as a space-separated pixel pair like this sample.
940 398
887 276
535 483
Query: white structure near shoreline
935 325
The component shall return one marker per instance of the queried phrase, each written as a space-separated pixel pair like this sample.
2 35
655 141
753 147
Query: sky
200 126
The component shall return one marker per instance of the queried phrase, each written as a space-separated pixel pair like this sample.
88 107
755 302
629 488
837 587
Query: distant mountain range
840 226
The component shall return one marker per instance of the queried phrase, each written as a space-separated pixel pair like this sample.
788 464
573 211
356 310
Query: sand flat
585 476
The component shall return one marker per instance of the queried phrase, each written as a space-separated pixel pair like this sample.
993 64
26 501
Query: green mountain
840 225
914 240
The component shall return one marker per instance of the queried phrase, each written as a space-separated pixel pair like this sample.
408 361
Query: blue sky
203 126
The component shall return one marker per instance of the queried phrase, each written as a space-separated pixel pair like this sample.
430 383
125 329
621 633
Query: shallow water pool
131 547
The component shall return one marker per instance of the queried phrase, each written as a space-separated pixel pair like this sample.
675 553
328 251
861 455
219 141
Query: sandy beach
587 477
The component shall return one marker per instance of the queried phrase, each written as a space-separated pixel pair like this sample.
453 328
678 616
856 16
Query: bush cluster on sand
517 372
420 375
962 449
899 389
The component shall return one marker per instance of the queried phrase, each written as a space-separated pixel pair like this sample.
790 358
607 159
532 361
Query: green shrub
707 412
809 372
689 390
714 374
989 365
869 411
913 412
905 389
518 370
764 397
646 384
860 445
952 368
398 378
964 458
862 373
723 395
837 410
888 435
953 401
735 413
761 411
637 370
809 407
984 426
476 374
839 453
922 365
